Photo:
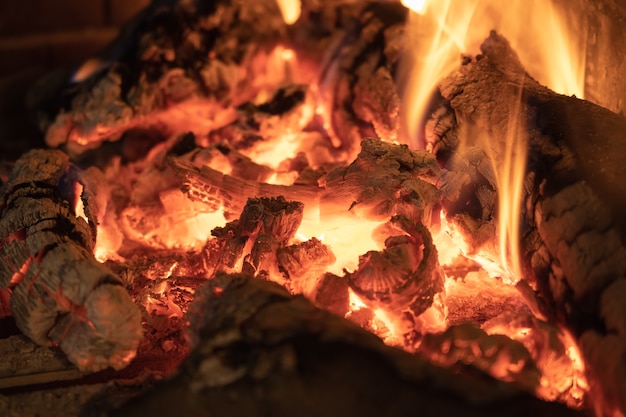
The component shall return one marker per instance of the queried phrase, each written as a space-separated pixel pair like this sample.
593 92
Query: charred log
303 264
384 180
259 350
60 294
404 278
574 248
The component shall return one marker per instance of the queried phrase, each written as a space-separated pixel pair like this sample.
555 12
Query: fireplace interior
315 207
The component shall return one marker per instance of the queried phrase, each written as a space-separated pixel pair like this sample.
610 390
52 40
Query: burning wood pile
230 144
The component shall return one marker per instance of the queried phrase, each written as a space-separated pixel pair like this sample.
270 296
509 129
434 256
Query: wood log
60 293
304 264
182 67
259 351
385 179
404 278
574 250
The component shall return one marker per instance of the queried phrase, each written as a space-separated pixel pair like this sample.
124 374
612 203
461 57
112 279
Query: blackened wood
275 217
384 180
173 54
574 250
304 264
217 190
60 293
404 277
259 351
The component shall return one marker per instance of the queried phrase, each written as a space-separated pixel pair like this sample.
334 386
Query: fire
290 10
551 50
417 6
441 31
348 236
158 216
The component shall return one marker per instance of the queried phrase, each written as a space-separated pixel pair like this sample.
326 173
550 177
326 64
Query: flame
79 207
417 6
290 10
442 30
348 237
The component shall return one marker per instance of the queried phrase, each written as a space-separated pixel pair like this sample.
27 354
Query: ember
344 152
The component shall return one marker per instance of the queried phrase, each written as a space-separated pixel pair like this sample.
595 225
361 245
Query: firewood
384 180
465 343
216 189
304 264
176 58
573 250
60 293
332 294
402 279
180 66
257 350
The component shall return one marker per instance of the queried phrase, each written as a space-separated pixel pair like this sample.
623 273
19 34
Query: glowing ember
273 192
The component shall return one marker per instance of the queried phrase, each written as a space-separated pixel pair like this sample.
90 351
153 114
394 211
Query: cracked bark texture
573 232
259 351
197 66
60 294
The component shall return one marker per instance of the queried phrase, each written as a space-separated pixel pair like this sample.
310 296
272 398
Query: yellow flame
347 236
440 31
552 52
290 10
417 6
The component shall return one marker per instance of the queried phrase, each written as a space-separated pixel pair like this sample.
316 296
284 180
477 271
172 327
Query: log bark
198 67
60 294
404 278
259 351
574 250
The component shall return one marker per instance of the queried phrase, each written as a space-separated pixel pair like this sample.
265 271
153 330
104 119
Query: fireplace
304 208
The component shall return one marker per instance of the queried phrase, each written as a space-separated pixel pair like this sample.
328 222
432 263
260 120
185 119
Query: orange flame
442 30
290 10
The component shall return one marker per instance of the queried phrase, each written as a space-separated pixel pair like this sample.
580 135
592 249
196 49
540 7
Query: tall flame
290 10
442 30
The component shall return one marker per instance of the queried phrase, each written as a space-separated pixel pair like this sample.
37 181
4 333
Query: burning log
573 250
215 189
304 264
384 180
265 225
60 294
404 278
258 350
200 68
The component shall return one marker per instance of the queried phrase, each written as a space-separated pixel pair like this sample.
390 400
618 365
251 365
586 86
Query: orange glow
510 179
183 224
79 209
440 31
348 237
417 6
290 10
562 368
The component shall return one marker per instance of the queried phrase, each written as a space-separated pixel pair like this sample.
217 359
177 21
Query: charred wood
384 180
60 294
574 250
259 350
303 264
404 278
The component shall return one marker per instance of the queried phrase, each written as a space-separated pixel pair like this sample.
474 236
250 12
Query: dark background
38 36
